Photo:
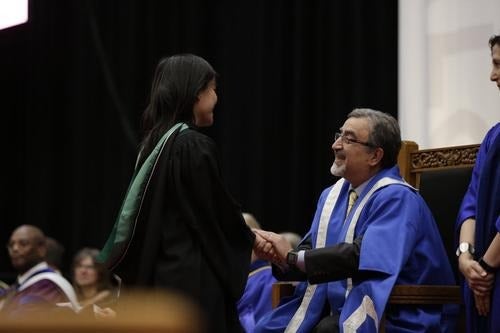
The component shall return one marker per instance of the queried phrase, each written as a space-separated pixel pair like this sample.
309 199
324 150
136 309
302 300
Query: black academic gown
190 235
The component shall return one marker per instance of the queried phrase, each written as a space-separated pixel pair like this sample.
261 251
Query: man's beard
337 170
25 264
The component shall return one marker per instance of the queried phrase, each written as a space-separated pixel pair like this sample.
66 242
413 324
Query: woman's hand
482 304
479 281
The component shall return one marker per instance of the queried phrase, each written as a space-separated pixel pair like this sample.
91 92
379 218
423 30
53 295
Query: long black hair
177 82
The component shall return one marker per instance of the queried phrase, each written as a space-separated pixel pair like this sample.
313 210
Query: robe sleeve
333 263
469 202
393 211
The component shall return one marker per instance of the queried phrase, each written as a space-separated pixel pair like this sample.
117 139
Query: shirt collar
38 267
361 187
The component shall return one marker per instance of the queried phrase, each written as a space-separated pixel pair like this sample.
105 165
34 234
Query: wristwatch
465 247
291 258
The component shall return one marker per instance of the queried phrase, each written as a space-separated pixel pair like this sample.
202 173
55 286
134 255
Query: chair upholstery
442 176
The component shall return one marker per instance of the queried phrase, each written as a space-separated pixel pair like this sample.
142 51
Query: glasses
348 140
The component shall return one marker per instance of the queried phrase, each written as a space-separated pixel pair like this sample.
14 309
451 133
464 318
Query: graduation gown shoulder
190 234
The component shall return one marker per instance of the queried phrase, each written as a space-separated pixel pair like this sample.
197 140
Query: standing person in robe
353 256
38 288
179 228
478 226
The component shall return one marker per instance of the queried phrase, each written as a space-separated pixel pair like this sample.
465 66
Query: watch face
464 247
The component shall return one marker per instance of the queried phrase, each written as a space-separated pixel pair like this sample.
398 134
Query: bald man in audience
38 288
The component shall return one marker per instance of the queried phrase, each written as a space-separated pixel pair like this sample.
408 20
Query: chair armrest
425 294
281 290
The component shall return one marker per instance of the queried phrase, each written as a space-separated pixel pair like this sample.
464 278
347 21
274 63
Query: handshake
271 246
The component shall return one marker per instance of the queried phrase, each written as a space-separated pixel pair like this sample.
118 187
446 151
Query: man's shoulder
45 280
50 282
44 290
399 188
44 275
40 285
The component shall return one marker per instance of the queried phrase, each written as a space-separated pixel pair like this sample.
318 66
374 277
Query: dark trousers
329 324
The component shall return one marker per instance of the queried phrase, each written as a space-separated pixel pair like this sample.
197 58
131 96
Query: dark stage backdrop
75 79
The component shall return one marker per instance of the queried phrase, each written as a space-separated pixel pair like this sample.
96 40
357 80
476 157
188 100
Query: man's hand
262 248
275 243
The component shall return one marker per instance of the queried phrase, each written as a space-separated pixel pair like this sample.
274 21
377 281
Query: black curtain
76 77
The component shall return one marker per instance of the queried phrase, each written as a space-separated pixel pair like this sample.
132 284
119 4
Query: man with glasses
371 231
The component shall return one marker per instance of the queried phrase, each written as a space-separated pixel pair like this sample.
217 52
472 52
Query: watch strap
291 258
486 266
464 247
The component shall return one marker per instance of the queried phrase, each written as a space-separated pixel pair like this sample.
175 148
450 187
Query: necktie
353 196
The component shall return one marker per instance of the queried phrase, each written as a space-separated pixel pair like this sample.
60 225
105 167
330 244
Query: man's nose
337 144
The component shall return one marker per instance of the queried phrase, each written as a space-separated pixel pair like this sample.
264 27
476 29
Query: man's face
495 60
352 159
25 249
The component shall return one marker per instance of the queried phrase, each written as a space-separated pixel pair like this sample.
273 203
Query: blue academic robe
401 245
482 202
256 299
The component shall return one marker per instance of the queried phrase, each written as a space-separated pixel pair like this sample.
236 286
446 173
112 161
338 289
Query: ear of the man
378 154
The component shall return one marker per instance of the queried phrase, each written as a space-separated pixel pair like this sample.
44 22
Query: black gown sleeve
333 263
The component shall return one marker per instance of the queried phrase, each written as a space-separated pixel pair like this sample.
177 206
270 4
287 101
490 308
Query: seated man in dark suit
371 231
38 288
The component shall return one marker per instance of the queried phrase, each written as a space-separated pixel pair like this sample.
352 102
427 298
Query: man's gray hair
384 133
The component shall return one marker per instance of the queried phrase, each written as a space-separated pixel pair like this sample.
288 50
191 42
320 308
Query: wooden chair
442 176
